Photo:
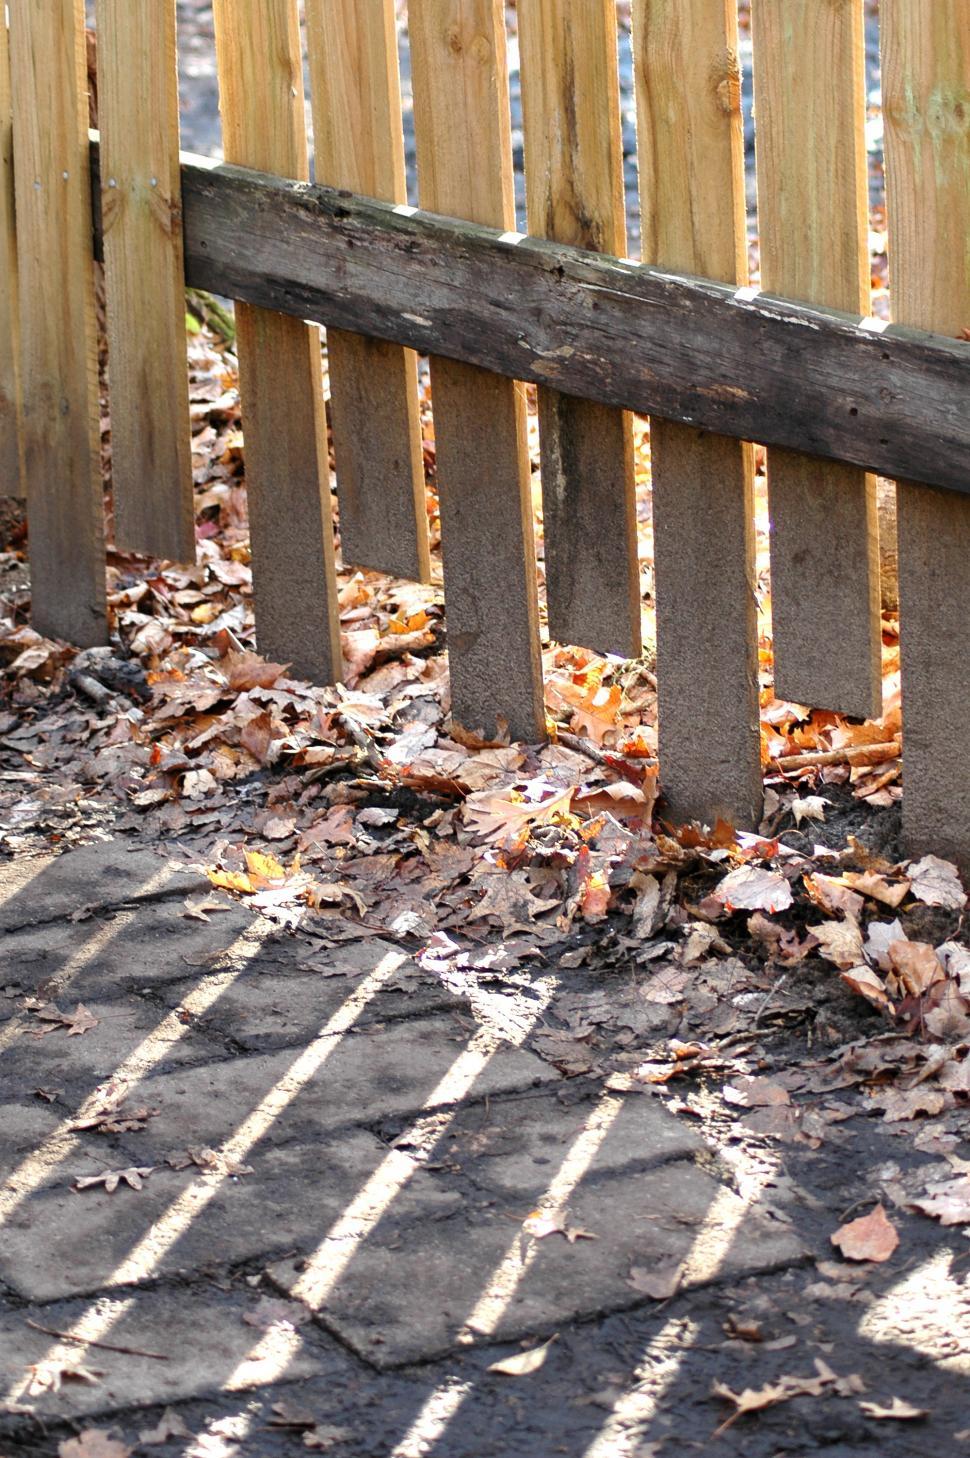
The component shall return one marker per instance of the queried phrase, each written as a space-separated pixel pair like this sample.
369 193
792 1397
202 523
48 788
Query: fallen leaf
51 1376
135 1176
658 1282
170 1425
873 1237
812 807
915 965
948 1202
898 1409
272 1311
753 888
839 942
831 895
539 1224
870 986
94 1443
937 883
868 883
525 1363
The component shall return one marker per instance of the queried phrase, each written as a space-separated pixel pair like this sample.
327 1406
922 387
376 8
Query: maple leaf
50 1376
658 1282
135 1176
947 1201
596 709
871 1238
80 1021
870 986
243 671
937 883
915 966
839 942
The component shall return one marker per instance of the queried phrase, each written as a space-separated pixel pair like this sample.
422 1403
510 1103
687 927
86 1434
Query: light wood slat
810 98
11 436
690 147
574 194
59 361
926 102
141 213
359 145
461 108
287 471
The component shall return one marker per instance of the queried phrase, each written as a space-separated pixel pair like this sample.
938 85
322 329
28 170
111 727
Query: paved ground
345 1196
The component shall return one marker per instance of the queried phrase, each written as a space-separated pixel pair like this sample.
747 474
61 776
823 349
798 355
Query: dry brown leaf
897 1409
51 1376
937 883
499 817
754 888
870 986
839 942
948 1202
949 1020
658 1282
873 1237
831 895
94 1443
170 1425
915 965
524 1363
911 1103
135 1177
868 883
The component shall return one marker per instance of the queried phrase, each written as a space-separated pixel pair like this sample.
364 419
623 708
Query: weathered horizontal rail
734 362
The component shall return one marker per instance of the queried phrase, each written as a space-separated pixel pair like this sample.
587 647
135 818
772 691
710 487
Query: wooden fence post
926 107
462 125
813 221
690 147
574 192
141 211
11 435
59 361
280 368
359 145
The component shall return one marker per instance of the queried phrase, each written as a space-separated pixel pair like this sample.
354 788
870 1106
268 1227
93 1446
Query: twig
851 754
92 689
772 991
67 1336
579 745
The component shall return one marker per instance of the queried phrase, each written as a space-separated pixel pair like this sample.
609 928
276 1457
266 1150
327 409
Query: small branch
579 745
67 1336
92 689
851 754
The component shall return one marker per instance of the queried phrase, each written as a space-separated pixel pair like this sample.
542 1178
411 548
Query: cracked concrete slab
493 1280
40 1054
140 948
105 873
23 1127
204 1344
190 1221
337 1080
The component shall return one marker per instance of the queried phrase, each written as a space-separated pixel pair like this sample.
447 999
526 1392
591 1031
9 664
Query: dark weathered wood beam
889 399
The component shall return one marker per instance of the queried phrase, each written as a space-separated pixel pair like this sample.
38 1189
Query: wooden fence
836 396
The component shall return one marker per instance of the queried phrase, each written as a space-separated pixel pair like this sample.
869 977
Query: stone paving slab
480 1276
358 1078
103 874
201 1332
267 1007
23 1127
521 1144
58 1059
140 947
188 1222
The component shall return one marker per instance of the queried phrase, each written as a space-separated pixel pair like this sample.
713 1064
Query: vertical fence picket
359 145
141 210
59 380
690 148
11 437
810 99
926 104
574 194
462 126
294 583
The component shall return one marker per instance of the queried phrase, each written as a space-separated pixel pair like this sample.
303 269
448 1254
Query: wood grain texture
574 194
926 100
690 148
287 470
810 95
141 211
462 127
11 435
59 378
883 397
359 145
